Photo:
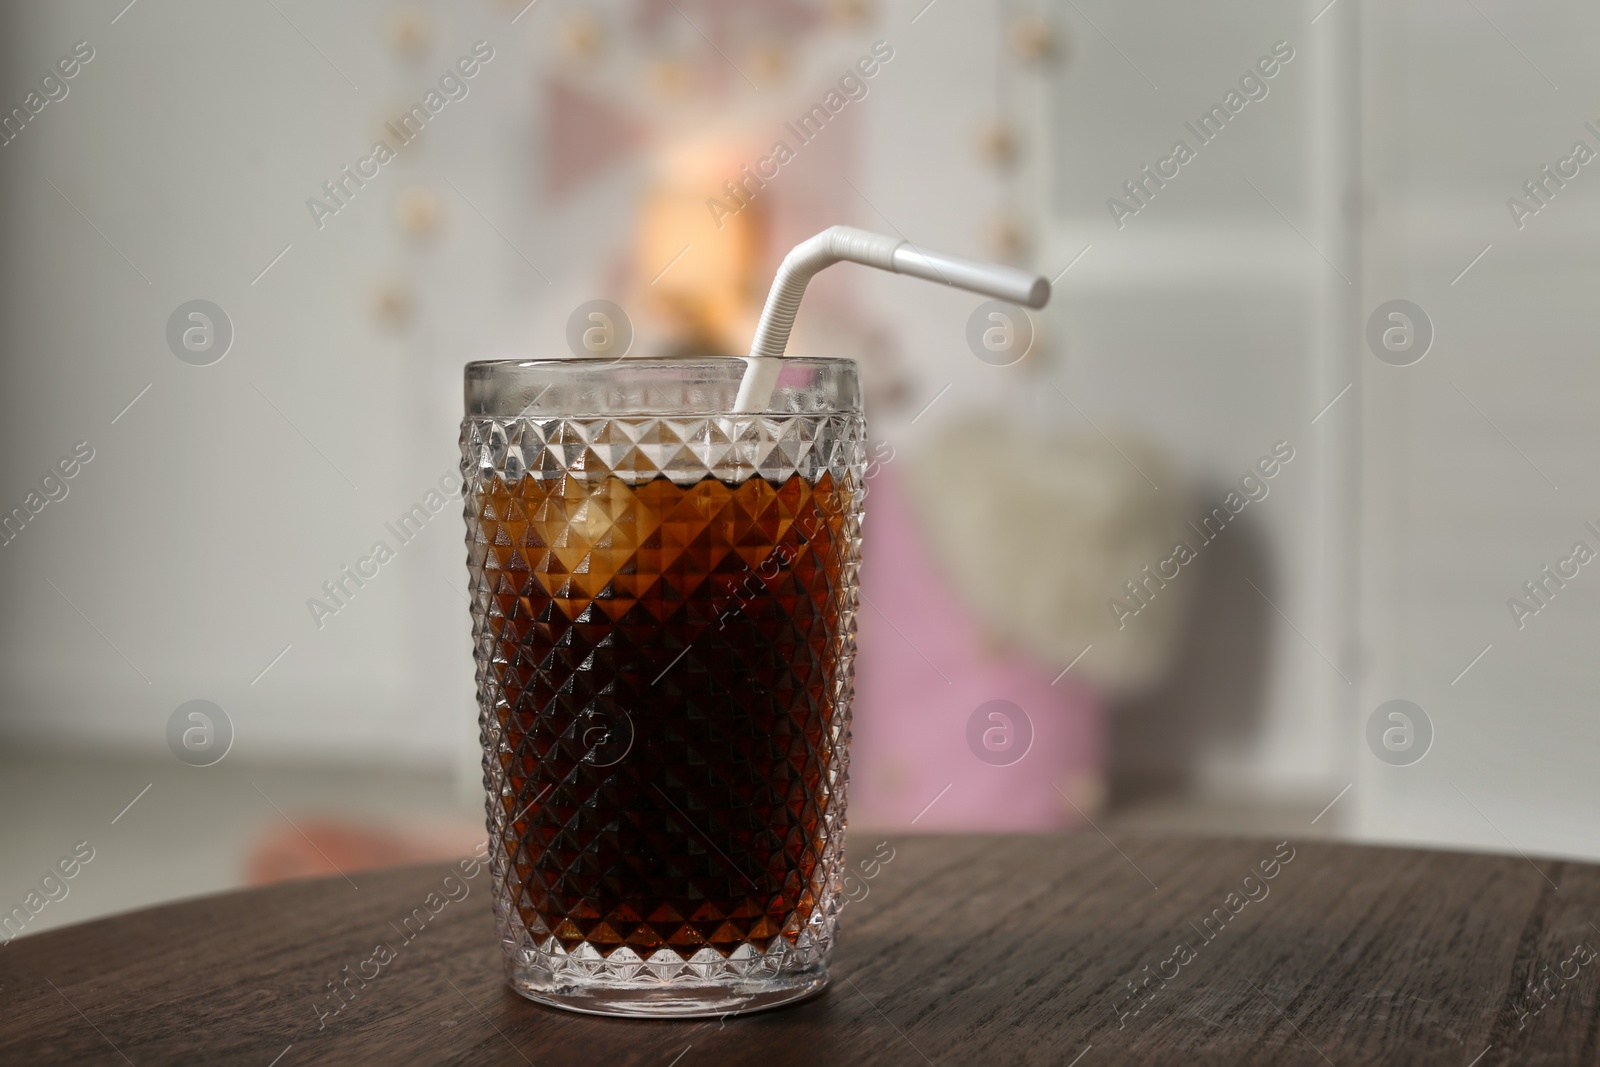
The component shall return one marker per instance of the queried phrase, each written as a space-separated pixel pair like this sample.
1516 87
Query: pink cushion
922 671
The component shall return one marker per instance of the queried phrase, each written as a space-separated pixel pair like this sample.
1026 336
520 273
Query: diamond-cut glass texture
664 625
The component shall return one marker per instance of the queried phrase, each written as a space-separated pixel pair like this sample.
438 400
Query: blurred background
1375 501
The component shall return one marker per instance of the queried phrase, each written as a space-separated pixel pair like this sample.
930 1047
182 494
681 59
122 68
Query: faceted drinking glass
664 598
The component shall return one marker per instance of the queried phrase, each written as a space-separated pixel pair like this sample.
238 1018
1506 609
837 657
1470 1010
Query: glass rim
654 386
597 362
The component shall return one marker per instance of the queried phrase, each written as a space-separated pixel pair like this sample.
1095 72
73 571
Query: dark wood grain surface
965 950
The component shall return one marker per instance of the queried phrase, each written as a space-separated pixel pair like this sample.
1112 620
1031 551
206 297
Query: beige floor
190 832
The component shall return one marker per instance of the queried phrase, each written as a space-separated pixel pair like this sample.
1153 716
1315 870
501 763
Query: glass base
671 1000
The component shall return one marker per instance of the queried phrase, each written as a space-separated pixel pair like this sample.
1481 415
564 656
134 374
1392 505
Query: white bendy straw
846 243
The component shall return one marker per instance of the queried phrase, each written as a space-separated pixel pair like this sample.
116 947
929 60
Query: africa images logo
453 85
1252 86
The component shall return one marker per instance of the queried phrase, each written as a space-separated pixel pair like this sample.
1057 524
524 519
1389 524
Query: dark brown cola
664 673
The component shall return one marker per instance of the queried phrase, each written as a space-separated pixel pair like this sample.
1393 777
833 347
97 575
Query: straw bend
805 260
846 243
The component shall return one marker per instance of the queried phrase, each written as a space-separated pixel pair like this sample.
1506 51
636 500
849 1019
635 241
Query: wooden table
987 950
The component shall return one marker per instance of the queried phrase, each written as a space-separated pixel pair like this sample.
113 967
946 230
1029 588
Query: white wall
1208 324
206 520
1459 511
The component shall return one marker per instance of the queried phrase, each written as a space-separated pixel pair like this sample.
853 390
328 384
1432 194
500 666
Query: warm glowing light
698 277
